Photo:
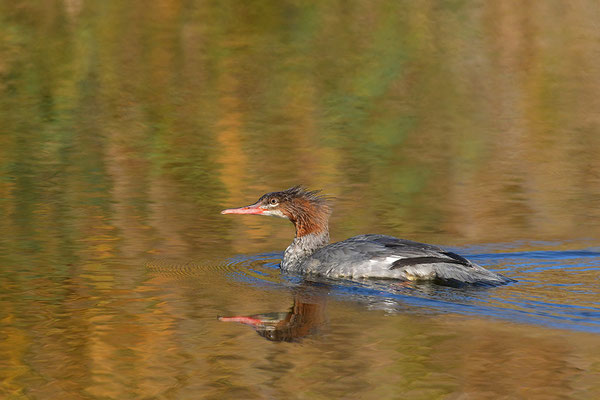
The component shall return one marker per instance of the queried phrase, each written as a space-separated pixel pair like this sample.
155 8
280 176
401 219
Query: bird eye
274 201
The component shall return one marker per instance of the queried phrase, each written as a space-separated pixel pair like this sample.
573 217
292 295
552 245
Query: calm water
125 127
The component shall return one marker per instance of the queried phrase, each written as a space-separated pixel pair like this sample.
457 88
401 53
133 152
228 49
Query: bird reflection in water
305 317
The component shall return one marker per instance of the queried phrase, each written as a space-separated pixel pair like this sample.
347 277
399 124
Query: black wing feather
404 262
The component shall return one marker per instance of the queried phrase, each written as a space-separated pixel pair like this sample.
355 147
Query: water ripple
554 288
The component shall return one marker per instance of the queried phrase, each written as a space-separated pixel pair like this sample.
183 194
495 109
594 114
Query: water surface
125 127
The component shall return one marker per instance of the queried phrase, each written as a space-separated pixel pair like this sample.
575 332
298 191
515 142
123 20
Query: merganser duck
363 256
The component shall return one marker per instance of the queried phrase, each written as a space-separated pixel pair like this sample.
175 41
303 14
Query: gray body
384 257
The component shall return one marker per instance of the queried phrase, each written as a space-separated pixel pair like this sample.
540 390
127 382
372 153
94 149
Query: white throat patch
274 213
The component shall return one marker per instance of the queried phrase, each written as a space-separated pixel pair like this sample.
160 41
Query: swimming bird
364 256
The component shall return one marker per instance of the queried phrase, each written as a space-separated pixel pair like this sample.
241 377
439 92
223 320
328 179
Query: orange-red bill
253 209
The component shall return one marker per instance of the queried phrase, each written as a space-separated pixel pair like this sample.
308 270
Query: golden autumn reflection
126 126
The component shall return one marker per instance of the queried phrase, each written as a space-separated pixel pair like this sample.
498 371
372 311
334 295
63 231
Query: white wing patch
388 261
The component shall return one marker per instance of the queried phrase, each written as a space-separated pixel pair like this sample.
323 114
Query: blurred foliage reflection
125 126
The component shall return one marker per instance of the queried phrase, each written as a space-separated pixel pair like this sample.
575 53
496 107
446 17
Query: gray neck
301 248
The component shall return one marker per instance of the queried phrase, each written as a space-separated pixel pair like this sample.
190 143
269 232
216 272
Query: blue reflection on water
555 288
